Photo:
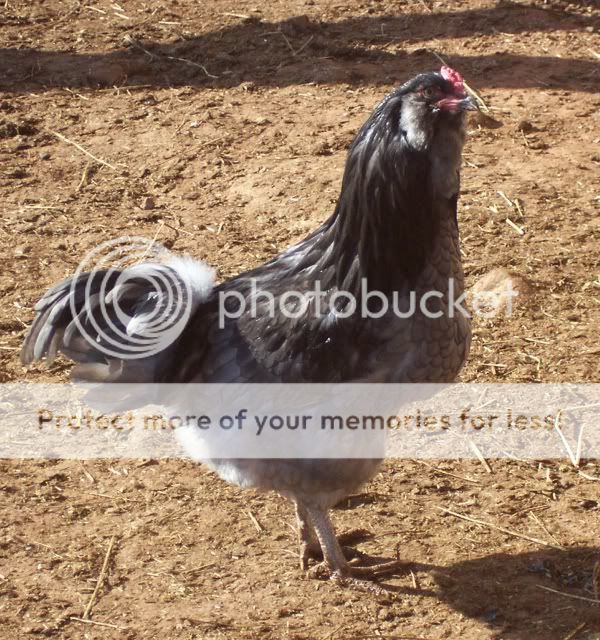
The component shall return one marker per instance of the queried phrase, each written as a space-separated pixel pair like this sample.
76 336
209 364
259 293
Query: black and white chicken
394 230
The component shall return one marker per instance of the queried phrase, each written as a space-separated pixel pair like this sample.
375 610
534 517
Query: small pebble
525 126
490 616
21 250
385 615
44 155
148 203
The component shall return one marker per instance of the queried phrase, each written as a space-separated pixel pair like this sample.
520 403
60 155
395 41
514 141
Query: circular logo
127 301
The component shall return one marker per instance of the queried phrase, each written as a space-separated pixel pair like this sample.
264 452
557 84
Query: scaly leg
309 544
334 556
310 547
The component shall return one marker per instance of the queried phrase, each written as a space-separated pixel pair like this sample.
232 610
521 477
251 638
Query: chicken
394 231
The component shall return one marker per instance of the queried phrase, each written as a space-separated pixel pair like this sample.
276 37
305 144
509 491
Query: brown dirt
236 127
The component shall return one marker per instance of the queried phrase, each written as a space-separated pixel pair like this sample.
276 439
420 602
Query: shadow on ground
359 50
506 591
539 595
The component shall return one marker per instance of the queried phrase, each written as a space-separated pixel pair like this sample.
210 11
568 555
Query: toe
354 535
377 570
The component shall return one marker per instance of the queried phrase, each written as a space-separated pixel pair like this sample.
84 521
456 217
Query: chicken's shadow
301 50
528 596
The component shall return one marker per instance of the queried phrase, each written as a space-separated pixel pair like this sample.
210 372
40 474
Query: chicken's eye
429 92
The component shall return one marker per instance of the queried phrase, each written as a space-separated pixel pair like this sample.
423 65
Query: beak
456 104
467 104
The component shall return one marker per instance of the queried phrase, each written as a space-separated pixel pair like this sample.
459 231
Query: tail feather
109 321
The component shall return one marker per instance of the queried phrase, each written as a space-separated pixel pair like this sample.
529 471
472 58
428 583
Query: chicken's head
420 107
442 91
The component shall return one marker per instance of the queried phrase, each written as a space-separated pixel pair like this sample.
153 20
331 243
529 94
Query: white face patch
415 124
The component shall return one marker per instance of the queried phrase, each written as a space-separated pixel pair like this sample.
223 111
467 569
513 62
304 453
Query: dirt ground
223 128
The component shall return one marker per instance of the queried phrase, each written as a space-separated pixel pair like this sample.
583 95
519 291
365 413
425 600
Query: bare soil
224 126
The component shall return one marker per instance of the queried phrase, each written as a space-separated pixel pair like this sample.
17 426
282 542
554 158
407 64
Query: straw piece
509 532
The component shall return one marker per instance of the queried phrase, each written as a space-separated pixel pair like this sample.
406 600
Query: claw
352 573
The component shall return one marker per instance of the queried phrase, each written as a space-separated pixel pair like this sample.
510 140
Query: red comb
453 77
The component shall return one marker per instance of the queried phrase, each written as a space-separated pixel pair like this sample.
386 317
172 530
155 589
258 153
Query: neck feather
386 219
394 202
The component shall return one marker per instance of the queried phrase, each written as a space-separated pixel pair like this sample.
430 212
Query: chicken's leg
334 556
309 544
310 547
